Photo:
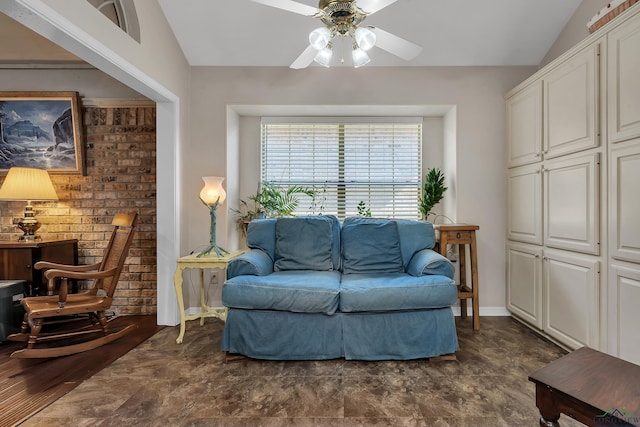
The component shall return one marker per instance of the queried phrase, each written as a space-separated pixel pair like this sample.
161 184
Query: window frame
343 207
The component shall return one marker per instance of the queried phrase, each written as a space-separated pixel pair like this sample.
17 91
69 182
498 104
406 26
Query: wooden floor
28 385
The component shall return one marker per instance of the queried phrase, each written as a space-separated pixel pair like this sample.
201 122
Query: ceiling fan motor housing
341 15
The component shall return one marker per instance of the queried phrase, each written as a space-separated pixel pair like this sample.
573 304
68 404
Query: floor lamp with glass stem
213 195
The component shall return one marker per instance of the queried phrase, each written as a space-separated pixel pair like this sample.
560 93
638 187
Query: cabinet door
524 282
624 196
524 201
571 94
624 316
524 125
16 264
623 81
571 204
570 288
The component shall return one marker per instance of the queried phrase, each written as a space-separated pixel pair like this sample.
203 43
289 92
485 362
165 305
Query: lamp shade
27 184
360 57
323 57
320 38
212 193
365 38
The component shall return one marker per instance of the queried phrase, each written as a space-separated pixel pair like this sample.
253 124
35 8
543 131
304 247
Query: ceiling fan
344 18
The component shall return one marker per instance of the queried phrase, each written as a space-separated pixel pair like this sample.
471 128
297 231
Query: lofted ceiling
451 32
244 33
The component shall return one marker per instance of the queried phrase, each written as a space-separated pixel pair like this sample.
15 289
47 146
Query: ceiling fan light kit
320 38
359 56
343 18
323 57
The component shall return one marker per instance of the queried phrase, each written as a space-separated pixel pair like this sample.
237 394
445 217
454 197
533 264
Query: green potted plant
433 191
270 201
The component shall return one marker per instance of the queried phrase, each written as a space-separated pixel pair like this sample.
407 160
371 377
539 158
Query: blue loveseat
309 288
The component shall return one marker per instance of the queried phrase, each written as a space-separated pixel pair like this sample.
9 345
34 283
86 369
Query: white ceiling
451 32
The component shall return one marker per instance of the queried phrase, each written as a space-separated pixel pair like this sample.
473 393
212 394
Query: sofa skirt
395 335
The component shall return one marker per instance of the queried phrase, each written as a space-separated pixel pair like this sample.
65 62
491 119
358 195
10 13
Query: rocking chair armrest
52 275
86 275
46 265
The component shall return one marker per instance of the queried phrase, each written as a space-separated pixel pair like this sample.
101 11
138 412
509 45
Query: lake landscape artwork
40 131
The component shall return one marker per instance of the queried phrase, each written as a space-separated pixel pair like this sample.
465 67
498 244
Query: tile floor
161 383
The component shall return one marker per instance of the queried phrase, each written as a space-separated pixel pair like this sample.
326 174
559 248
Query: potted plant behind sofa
433 191
270 201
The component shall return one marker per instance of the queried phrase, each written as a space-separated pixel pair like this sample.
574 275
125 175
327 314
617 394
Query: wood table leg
463 278
474 282
177 282
548 406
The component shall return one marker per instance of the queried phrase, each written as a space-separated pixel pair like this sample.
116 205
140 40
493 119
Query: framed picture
41 130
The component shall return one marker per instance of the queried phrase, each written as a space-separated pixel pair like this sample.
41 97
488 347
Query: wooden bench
591 387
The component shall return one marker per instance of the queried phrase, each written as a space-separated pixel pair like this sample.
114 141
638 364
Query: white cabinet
567 217
582 112
571 94
524 125
571 203
524 278
624 207
524 193
624 245
624 297
623 81
555 291
571 298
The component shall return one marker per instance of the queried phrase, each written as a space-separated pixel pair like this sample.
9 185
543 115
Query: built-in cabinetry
573 188
623 91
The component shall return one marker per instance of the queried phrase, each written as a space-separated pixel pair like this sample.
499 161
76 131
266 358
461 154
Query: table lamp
213 195
28 184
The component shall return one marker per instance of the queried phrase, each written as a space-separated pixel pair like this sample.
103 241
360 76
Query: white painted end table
202 263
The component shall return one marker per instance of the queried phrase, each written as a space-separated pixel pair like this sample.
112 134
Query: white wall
479 153
576 29
154 67
88 82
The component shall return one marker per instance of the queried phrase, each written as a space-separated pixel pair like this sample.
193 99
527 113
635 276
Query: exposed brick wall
120 144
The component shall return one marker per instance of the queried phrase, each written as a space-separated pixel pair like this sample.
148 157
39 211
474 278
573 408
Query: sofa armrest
255 263
427 261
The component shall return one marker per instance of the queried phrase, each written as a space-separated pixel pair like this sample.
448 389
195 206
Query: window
120 12
346 162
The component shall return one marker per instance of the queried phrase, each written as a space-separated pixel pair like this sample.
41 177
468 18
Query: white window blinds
347 163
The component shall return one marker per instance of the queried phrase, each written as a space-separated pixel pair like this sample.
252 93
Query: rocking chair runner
52 308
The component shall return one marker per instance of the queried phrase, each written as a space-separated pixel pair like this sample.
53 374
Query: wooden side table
463 235
201 263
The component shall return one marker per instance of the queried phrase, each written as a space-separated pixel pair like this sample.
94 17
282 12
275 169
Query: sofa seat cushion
304 243
395 291
303 291
370 245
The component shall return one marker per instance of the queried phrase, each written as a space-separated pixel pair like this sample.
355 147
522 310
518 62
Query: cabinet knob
28 265
457 235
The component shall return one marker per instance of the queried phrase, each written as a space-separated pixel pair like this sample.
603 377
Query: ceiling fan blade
305 58
396 45
372 6
291 6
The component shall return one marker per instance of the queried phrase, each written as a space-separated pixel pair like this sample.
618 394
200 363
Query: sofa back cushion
414 236
371 245
261 234
304 243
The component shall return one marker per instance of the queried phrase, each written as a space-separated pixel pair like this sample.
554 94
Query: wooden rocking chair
41 310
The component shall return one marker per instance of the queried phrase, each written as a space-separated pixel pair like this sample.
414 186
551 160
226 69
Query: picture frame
42 130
